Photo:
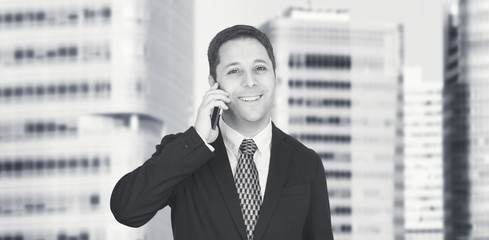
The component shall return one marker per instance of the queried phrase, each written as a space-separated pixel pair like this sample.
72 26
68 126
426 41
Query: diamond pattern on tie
248 186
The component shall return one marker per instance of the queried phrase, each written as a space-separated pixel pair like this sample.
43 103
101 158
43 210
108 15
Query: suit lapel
279 162
225 180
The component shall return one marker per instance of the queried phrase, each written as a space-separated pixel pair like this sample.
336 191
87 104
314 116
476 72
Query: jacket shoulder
297 147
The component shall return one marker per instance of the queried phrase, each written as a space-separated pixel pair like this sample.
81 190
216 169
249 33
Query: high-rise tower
339 92
466 128
87 88
423 165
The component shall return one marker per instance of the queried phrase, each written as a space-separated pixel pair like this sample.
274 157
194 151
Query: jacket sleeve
138 195
318 223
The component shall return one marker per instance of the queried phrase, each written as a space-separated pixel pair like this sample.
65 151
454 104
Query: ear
211 80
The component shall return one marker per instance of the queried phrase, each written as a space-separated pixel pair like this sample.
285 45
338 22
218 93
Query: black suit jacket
199 187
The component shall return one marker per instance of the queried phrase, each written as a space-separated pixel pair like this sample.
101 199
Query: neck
246 128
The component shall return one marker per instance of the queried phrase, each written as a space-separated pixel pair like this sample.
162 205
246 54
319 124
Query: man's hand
212 98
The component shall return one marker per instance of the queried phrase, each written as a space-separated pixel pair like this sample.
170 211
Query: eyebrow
261 61
237 63
231 64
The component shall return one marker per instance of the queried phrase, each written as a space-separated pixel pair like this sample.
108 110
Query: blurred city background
390 93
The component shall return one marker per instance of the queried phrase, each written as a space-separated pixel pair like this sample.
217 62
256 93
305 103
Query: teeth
249 99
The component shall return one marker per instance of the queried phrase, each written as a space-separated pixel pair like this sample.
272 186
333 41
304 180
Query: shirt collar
233 139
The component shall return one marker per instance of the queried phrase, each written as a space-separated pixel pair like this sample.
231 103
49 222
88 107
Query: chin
253 117
246 115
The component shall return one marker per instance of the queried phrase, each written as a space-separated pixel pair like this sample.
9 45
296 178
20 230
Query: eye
233 71
261 68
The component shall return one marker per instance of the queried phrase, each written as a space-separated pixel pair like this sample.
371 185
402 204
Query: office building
466 132
339 92
87 89
423 164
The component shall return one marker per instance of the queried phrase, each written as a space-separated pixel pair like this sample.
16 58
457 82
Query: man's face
245 71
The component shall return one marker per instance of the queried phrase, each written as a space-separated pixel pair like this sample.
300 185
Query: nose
248 80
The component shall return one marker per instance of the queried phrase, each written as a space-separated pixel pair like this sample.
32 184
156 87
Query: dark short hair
236 32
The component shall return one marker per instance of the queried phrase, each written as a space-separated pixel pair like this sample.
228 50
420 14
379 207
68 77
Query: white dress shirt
263 140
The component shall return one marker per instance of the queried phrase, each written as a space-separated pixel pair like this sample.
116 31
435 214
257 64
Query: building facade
339 92
466 132
455 134
423 164
87 89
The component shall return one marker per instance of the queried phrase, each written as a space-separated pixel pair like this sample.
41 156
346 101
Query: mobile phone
215 117
216 114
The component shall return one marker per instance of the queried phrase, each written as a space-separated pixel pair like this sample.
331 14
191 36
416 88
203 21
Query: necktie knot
248 147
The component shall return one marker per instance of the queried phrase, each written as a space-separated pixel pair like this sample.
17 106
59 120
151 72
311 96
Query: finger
216 103
219 104
216 97
211 95
216 91
210 106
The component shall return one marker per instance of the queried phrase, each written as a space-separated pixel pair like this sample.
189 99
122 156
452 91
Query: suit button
186 146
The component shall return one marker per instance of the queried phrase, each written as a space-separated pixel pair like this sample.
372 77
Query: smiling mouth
251 98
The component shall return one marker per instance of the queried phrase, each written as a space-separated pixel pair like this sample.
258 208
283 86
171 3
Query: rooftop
317 14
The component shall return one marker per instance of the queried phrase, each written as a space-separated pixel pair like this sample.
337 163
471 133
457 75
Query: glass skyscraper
87 89
339 92
466 128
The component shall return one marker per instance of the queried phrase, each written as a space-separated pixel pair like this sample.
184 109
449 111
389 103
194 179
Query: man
245 179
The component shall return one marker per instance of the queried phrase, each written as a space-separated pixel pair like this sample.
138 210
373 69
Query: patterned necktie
248 186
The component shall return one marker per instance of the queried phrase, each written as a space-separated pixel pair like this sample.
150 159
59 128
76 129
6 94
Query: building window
327 120
332 174
94 200
24 167
327 138
339 193
21 205
99 89
106 12
345 228
320 61
36 129
37 18
45 235
320 102
341 210
319 120
37 55
335 157
319 84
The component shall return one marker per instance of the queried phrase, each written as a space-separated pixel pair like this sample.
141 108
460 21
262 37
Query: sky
422 21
